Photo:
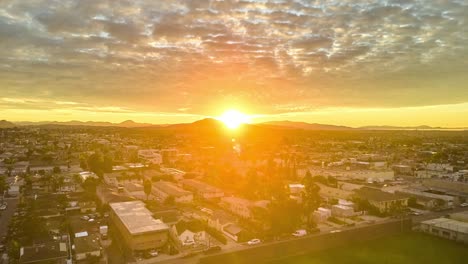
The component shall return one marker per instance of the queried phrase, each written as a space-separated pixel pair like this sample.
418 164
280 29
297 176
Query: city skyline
332 62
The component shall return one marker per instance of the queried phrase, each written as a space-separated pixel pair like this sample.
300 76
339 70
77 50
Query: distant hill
6 124
407 128
305 126
211 125
127 123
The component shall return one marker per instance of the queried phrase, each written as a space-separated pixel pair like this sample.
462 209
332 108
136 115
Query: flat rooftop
448 224
136 218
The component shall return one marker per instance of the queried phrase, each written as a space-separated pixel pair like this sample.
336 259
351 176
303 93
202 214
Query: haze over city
335 62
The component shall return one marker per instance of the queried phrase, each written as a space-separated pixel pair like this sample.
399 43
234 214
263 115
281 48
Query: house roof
233 229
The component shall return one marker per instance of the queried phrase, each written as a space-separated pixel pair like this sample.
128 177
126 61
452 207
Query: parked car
3 206
212 249
188 242
335 231
150 253
299 233
254 241
464 205
84 217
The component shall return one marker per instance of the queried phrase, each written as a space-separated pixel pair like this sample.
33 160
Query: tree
3 186
310 197
77 180
57 170
170 200
147 187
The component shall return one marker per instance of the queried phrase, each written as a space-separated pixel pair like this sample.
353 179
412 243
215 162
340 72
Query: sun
233 119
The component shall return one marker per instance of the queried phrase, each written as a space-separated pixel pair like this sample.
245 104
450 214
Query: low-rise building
342 210
51 252
202 189
321 214
86 246
164 189
446 228
429 200
385 202
242 207
150 155
137 227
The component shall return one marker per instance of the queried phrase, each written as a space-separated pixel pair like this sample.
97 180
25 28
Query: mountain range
214 123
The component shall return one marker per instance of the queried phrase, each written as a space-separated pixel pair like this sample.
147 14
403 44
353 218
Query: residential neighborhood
94 195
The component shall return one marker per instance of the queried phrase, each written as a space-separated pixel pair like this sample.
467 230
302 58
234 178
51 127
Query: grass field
401 249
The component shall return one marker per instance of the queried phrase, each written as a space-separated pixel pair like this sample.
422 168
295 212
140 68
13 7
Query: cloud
266 55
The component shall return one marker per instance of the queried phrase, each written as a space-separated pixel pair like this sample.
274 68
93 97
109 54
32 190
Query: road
7 214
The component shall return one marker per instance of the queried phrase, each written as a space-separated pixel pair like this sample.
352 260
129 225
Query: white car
300 233
335 231
464 205
254 241
3 206
153 253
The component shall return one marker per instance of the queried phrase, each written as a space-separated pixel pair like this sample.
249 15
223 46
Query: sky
341 62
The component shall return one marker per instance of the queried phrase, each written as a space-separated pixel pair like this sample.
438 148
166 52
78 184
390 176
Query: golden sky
336 62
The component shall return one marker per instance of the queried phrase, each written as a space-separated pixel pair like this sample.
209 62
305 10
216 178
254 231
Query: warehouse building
446 228
137 227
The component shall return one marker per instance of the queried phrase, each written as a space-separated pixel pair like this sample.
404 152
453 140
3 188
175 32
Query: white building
342 210
321 214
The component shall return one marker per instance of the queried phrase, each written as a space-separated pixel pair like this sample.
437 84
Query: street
7 214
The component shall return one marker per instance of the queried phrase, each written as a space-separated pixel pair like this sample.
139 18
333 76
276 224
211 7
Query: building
150 155
87 174
202 189
242 207
385 202
461 216
428 199
190 232
169 155
296 188
164 189
444 185
340 210
446 228
85 246
235 233
321 214
51 252
137 227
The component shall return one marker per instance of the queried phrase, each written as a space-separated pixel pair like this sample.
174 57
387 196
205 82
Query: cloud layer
198 56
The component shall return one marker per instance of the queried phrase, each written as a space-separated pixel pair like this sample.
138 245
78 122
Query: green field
401 249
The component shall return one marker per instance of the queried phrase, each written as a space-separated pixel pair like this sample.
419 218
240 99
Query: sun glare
233 119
